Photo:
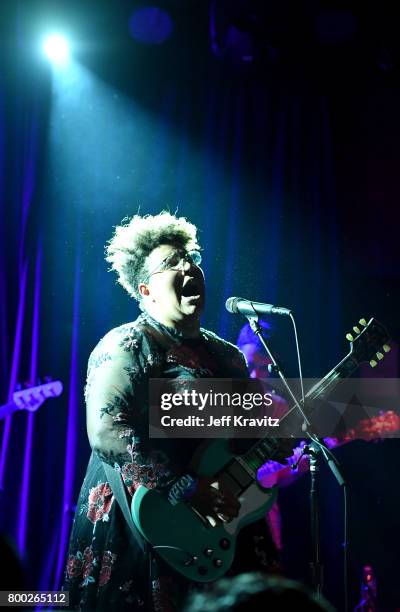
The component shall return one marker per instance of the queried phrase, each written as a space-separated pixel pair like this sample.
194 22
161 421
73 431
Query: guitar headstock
368 342
32 398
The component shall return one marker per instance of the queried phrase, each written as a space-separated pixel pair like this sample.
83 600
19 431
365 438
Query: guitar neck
269 448
7 409
343 369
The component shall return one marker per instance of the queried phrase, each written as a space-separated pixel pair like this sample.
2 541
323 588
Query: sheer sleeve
116 394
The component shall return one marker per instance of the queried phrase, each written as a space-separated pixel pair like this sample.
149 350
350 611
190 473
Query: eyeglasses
175 261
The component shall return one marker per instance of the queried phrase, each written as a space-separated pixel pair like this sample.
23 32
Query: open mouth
191 289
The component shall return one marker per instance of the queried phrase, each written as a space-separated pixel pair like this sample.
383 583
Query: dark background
279 140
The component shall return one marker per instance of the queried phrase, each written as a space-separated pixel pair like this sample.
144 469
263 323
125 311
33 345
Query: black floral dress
106 569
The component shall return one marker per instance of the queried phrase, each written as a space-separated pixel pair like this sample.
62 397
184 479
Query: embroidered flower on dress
152 360
183 356
74 565
89 562
113 406
100 500
126 433
106 566
139 473
120 418
130 341
96 359
81 565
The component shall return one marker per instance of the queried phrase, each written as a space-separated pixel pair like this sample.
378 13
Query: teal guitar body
189 542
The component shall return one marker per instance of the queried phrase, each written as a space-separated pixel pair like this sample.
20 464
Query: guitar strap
116 484
117 487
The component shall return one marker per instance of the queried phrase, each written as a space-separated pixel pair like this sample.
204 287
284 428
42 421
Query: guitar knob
225 544
380 355
208 552
363 322
386 348
373 363
357 329
218 562
349 337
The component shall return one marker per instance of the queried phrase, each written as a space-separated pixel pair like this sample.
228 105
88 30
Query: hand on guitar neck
211 499
378 427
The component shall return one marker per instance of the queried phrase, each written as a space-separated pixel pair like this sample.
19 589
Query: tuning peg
386 348
349 337
357 330
47 379
380 355
373 363
363 322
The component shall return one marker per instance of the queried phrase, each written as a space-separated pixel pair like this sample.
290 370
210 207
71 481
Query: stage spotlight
56 49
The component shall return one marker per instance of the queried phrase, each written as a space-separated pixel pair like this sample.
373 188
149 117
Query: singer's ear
143 289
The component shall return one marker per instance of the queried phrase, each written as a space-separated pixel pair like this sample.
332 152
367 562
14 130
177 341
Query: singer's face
178 293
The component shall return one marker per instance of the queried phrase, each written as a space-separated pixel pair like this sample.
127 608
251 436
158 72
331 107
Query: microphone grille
231 304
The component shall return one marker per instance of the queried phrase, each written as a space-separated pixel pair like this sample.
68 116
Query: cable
326 450
255 326
298 357
345 550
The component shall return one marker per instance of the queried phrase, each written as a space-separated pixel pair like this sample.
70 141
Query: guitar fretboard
241 471
277 448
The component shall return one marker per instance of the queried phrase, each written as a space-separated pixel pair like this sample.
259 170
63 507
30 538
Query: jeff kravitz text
223 421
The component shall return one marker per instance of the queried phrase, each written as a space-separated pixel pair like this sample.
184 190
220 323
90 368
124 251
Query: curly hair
136 238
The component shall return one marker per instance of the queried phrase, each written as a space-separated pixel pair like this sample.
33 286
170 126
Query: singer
157 260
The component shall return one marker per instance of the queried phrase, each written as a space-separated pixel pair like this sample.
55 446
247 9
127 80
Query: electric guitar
189 542
31 398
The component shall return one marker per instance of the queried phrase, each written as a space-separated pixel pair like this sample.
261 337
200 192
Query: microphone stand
316 567
315 449
257 329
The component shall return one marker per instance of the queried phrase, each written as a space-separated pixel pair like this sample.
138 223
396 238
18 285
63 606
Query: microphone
249 308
